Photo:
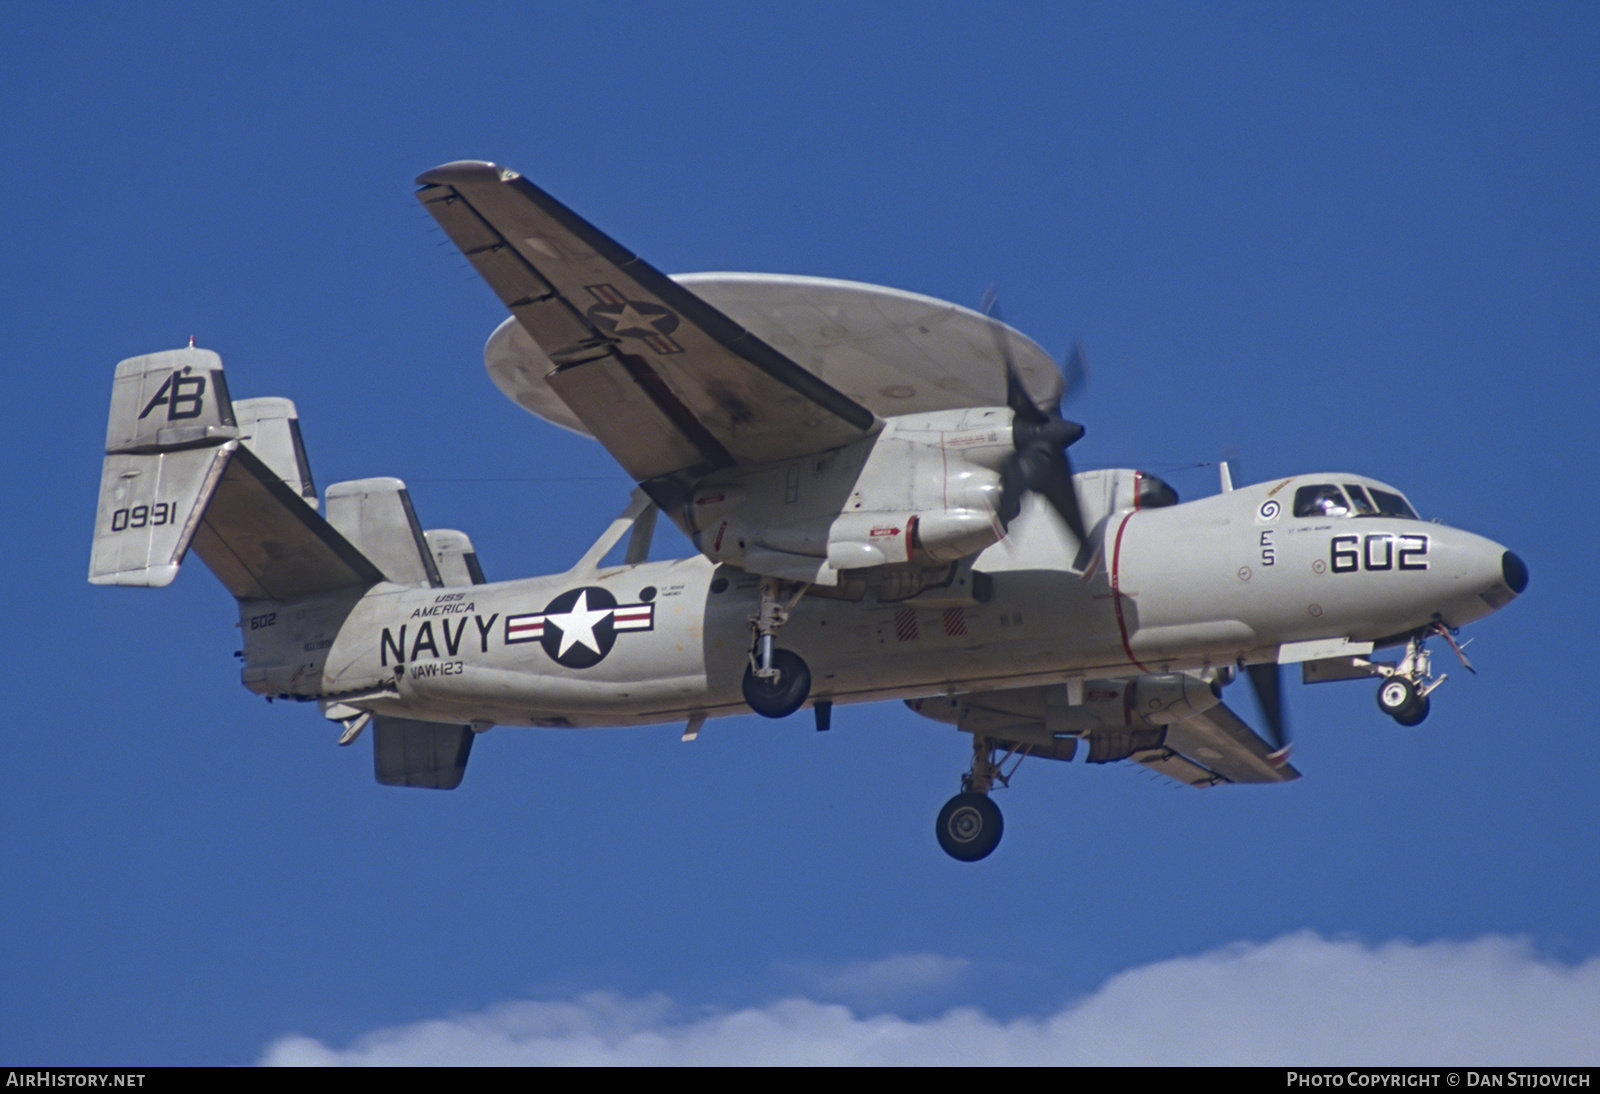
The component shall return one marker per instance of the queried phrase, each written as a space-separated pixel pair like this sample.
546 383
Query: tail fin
181 471
169 439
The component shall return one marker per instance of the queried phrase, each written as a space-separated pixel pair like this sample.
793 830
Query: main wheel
969 827
1398 698
781 695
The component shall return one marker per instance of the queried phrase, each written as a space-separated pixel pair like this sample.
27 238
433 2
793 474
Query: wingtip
458 171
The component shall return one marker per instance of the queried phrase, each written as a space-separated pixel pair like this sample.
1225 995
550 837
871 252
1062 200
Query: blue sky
1333 236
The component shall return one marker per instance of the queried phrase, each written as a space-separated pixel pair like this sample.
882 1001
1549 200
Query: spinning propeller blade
1040 439
1267 682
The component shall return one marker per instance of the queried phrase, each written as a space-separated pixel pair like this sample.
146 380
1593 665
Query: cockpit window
1392 505
1325 499
1322 500
1358 495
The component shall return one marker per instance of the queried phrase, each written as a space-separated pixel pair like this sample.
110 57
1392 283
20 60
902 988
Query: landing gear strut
1403 695
970 825
776 682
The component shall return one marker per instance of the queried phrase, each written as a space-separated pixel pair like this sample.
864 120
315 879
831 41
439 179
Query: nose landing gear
1403 695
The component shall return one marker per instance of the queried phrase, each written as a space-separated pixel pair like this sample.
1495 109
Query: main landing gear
776 682
1403 695
970 825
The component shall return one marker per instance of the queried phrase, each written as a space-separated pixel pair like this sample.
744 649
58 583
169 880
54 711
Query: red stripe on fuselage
1116 592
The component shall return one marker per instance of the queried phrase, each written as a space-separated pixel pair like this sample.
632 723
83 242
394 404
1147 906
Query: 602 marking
1377 552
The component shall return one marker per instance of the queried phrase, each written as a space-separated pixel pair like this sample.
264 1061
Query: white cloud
1298 1000
887 984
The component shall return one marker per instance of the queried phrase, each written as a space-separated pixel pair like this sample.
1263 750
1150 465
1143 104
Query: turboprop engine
927 489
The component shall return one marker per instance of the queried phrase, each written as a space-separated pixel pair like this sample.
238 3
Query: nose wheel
1400 700
1403 695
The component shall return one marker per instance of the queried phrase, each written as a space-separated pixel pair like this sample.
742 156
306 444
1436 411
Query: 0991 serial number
144 516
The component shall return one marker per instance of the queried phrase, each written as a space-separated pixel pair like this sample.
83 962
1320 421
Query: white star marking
631 321
577 626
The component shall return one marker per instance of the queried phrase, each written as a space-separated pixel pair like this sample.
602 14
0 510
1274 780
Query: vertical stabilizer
270 427
453 554
376 515
168 441
187 468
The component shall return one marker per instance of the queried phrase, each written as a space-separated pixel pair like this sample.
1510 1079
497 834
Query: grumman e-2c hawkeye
879 490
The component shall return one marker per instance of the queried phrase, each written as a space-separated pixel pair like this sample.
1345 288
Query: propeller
1266 680
1039 439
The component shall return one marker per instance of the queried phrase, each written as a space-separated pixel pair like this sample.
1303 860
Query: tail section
170 437
186 468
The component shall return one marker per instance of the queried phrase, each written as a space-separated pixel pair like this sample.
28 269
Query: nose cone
1470 577
1514 572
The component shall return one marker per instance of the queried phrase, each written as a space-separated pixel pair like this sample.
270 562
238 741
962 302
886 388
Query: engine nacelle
923 490
1171 697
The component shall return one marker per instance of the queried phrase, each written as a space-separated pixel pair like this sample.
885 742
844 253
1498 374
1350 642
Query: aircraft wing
671 386
1204 749
1212 747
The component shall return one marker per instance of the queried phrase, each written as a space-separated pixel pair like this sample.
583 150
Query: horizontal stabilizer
431 755
264 542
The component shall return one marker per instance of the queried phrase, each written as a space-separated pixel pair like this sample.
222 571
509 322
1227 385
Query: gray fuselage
1183 587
